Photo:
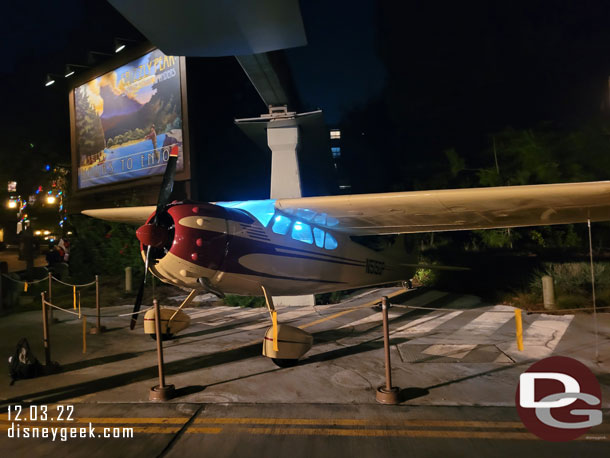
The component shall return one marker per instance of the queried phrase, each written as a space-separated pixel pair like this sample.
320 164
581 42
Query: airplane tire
164 337
285 362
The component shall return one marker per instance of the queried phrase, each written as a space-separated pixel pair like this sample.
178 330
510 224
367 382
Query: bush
102 248
572 282
244 301
425 277
573 277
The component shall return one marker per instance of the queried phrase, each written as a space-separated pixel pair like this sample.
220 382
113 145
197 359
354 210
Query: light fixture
70 69
51 199
12 203
120 43
92 59
49 81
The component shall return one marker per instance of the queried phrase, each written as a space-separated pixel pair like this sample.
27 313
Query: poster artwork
127 121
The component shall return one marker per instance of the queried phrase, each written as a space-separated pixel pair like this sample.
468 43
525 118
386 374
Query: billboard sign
127 120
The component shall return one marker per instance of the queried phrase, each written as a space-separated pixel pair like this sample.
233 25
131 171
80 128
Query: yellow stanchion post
25 287
74 296
84 334
519 325
274 320
79 314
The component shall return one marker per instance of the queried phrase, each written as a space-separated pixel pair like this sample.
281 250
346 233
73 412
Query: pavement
11 257
457 367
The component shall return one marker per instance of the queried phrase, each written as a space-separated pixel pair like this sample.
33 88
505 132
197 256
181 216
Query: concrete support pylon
286 183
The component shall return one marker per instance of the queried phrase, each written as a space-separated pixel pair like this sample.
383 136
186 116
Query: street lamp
51 199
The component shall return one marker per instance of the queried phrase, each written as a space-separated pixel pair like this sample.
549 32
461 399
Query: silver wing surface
129 215
456 209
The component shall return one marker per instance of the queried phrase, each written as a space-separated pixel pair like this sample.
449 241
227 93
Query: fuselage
237 247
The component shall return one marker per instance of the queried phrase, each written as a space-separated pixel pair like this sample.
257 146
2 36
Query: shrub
102 248
244 301
572 282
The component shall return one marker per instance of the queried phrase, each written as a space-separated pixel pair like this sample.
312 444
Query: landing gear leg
294 341
176 322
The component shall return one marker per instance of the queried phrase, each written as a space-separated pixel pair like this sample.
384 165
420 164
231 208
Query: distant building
336 153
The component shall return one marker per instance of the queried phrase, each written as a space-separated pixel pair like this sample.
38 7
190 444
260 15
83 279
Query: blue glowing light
305 214
330 221
318 235
281 225
302 232
262 210
330 243
47 167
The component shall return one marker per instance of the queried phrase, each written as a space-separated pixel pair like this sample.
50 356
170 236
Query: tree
90 134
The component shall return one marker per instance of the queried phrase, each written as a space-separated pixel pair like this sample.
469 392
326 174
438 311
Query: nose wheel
285 362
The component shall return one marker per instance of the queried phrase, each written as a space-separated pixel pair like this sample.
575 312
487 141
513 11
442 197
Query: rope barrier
495 311
59 308
45 279
69 284
103 316
133 313
24 281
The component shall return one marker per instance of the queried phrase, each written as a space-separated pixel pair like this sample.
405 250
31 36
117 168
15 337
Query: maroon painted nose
152 235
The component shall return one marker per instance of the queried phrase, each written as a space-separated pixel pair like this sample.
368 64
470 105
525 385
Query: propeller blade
146 264
167 185
138 303
136 307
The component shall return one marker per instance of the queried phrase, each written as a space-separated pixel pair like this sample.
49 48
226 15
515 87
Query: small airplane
311 245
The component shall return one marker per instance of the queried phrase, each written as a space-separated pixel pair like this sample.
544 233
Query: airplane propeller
153 234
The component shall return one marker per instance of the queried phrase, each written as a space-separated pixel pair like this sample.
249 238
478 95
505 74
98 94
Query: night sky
442 73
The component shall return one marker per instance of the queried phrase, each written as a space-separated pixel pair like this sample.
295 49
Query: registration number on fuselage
374 267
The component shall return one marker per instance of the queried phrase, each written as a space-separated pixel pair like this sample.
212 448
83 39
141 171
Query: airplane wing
128 215
455 209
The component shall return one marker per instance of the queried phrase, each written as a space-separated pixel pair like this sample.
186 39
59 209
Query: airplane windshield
264 211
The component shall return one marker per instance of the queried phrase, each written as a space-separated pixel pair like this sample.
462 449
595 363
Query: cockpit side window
302 232
318 235
330 243
281 224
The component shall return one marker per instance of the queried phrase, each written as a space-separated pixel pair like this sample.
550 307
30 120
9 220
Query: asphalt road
238 430
11 257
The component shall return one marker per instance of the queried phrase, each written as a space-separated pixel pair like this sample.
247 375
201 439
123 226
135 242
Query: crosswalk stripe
425 324
481 328
541 337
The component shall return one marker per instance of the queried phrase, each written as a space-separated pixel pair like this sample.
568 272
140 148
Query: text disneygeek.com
63 433
28 422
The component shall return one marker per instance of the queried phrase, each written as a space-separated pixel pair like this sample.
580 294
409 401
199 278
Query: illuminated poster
127 120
